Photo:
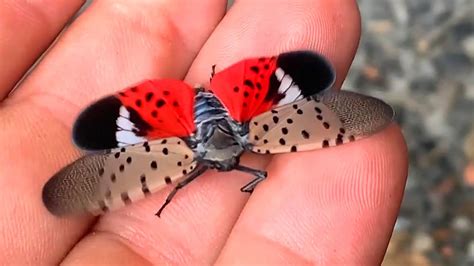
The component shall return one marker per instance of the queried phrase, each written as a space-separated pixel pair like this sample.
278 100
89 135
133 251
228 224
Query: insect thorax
219 139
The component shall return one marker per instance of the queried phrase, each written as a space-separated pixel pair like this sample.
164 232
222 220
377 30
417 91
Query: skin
336 206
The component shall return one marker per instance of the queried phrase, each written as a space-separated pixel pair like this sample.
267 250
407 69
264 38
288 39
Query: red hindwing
150 110
252 86
244 88
165 105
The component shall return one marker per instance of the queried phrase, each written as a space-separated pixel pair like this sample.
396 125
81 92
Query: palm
298 214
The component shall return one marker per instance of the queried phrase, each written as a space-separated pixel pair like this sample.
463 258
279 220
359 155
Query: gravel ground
418 55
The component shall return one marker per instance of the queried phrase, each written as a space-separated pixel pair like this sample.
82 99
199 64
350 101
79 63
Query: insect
164 132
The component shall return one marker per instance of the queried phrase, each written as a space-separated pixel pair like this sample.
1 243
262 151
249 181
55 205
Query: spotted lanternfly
164 132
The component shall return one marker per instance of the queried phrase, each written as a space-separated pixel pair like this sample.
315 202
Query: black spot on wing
249 83
255 69
125 198
325 144
305 134
160 103
148 96
138 103
309 70
145 189
147 146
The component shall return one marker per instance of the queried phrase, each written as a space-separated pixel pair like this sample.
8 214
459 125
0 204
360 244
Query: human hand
332 206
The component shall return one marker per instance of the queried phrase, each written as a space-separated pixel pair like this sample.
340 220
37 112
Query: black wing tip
312 71
96 126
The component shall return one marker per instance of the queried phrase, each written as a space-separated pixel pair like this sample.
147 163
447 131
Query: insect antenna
213 72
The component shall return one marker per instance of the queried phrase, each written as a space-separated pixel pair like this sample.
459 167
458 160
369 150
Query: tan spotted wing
320 121
101 182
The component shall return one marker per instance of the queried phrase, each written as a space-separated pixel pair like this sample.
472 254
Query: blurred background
418 55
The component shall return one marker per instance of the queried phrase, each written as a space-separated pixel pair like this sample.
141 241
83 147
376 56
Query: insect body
163 132
219 140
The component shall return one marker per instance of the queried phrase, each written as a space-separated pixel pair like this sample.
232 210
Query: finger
27 28
331 207
113 44
197 222
305 26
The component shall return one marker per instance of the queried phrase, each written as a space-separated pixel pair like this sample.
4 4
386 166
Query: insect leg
199 170
259 176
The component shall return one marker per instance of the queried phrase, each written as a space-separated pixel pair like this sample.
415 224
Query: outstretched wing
101 182
150 110
320 121
252 86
